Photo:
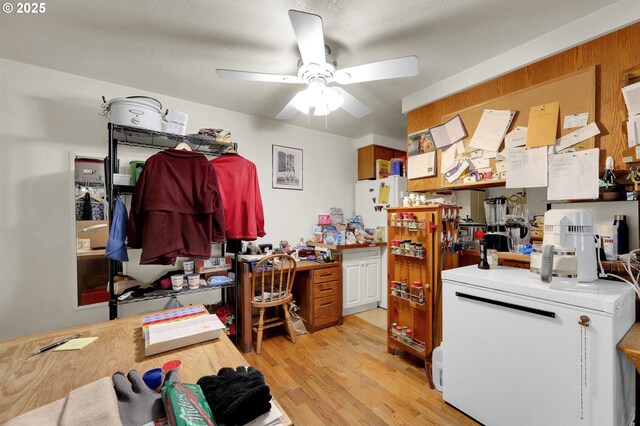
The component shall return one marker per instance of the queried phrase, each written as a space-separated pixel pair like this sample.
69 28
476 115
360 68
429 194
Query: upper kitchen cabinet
367 156
611 55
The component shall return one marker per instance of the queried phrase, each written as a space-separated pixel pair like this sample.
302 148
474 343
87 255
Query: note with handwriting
543 125
491 129
578 136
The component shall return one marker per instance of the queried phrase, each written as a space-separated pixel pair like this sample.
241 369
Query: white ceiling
173 47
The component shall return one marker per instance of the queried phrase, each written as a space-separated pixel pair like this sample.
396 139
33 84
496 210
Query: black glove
137 404
236 396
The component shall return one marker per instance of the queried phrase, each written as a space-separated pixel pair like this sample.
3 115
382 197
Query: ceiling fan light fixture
302 101
321 109
334 100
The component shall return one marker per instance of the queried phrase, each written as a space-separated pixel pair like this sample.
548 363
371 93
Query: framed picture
287 168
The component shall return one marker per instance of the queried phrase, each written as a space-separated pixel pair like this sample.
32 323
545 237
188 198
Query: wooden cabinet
368 155
433 228
318 293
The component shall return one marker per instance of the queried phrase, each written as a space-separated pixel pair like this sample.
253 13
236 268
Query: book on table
176 329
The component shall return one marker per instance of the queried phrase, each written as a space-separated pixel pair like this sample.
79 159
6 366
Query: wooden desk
28 383
317 291
630 345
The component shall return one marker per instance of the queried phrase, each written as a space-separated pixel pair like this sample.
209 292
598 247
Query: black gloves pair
236 396
137 404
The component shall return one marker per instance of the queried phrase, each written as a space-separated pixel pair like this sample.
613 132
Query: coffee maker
495 212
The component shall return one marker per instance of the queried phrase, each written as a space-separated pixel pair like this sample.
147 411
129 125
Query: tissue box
324 219
336 238
337 215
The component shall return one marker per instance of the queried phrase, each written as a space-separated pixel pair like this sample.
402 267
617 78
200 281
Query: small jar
419 250
398 332
403 333
492 258
407 247
393 285
394 332
412 249
408 338
405 219
416 289
392 218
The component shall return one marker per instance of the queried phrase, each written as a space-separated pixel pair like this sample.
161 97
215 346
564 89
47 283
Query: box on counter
383 169
324 219
337 215
333 237
186 405
214 264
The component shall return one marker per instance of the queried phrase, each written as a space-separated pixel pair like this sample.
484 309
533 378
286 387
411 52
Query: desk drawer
325 274
325 289
326 310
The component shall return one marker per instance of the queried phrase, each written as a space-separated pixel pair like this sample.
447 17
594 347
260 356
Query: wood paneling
612 55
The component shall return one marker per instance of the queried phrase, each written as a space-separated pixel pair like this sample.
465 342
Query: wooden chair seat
271 283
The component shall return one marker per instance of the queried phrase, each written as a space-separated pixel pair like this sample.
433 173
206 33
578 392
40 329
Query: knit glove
236 396
137 403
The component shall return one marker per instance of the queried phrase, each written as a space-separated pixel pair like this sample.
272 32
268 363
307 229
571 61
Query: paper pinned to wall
527 168
543 125
421 165
454 172
574 176
576 137
633 131
575 120
631 96
448 133
491 129
516 137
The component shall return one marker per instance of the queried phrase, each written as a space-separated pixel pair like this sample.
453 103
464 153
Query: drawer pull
326 304
326 289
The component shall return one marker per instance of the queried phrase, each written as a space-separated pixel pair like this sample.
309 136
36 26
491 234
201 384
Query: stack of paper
179 328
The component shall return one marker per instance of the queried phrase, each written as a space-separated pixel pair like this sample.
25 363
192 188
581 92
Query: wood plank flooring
343 375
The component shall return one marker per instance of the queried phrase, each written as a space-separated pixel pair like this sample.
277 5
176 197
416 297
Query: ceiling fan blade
307 28
258 76
351 104
295 105
391 68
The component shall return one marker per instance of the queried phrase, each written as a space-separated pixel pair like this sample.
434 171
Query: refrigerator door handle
507 305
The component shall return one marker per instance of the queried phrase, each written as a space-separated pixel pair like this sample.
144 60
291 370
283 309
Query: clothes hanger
91 196
183 146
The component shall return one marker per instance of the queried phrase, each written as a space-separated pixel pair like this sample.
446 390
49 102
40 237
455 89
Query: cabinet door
371 280
366 163
352 293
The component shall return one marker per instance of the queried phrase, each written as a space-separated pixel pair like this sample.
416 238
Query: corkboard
575 92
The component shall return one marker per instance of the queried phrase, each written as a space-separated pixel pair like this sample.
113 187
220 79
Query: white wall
374 139
45 115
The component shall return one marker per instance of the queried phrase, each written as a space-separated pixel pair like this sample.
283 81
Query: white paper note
479 163
575 120
576 137
448 157
631 96
501 166
527 168
491 129
516 137
422 165
448 133
633 131
574 176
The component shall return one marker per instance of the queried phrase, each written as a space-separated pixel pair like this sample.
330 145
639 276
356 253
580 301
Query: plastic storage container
436 370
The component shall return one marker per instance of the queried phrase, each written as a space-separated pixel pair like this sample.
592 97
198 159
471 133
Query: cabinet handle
507 305
326 304
325 289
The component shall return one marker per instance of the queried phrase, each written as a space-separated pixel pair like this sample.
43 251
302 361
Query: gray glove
137 404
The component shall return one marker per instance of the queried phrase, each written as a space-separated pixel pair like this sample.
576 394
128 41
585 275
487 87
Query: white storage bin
121 179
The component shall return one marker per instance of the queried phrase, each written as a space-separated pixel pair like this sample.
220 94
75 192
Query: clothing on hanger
240 190
176 208
116 248
183 146
89 207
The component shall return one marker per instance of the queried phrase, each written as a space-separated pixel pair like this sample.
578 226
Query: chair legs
288 323
260 331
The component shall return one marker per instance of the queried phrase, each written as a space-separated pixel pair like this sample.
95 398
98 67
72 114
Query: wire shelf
143 138
170 293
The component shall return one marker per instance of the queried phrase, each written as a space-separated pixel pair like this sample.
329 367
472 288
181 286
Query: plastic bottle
620 221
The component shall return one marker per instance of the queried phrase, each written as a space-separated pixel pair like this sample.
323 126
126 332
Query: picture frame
286 172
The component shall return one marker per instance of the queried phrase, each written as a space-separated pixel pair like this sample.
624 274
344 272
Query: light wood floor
344 375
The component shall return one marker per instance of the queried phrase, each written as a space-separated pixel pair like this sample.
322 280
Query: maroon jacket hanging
241 196
176 208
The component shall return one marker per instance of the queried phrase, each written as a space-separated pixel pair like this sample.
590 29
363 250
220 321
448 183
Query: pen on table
53 345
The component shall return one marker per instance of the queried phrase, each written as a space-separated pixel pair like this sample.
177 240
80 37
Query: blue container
153 378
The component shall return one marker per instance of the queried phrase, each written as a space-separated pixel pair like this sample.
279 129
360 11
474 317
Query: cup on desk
177 281
194 281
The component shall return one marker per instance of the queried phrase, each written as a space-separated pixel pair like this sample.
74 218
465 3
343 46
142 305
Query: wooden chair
271 283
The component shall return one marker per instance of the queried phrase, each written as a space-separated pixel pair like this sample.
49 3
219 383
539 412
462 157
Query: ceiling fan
317 69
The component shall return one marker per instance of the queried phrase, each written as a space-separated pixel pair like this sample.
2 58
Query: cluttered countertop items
197 383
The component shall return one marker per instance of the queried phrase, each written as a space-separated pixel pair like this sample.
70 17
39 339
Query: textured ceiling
173 47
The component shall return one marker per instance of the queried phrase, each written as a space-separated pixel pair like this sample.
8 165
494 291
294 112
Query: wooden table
305 272
28 383
630 345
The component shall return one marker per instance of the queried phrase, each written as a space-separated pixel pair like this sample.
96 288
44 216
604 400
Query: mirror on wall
92 230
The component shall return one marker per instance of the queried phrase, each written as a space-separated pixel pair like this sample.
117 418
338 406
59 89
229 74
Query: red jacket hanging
176 208
238 179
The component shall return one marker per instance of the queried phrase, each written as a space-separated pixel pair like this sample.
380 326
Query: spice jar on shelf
419 250
416 289
398 334
394 331
408 337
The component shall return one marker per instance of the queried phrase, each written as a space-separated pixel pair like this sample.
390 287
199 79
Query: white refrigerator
519 352
372 196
